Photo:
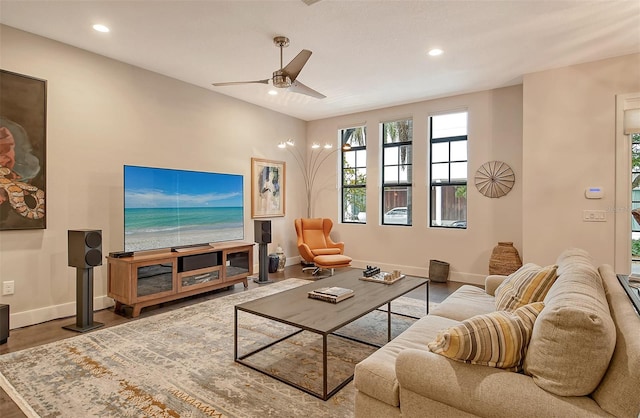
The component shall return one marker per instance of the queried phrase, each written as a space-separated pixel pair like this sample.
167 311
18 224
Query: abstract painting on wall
23 127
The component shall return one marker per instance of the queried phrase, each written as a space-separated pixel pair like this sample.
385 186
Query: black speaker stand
84 302
263 268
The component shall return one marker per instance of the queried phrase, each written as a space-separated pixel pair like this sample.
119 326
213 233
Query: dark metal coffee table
294 308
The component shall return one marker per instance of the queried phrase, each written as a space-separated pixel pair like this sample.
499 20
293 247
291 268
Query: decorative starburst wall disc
494 179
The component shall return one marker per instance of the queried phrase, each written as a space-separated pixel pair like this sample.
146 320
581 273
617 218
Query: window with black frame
397 172
448 174
354 174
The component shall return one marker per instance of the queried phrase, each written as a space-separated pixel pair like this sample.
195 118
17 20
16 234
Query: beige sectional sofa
583 358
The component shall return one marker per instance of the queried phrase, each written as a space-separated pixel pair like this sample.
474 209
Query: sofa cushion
465 302
492 282
530 283
498 339
376 375
572 257
574 337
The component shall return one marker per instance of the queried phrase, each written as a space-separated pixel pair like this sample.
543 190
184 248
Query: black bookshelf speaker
4 323
85 248
262 230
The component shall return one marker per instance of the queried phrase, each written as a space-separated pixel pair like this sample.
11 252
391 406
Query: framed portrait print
267 188
23 127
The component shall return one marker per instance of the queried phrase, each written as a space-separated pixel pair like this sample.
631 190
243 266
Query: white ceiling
367 54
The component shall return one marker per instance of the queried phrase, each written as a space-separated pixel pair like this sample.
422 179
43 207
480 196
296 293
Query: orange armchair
316 246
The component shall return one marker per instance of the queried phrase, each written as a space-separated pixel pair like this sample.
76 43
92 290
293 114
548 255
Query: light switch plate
594 216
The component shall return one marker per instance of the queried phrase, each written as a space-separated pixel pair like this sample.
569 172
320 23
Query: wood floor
22 338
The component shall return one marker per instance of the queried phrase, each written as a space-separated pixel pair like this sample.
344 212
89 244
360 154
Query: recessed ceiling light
101 28
273 92
435 52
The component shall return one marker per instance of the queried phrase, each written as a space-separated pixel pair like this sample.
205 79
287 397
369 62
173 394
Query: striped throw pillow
498 339
530 283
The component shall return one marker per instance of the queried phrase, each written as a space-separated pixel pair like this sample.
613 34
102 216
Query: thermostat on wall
594 193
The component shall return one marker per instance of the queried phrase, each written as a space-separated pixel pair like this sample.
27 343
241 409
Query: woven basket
438 271
504 259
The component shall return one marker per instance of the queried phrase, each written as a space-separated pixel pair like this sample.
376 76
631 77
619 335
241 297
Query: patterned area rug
180 364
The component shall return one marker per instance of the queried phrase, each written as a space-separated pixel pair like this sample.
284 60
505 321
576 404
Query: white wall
102 114
495 133
569 138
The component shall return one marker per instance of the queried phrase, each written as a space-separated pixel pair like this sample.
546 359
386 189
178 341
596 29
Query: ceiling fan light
273 92
290 142
328 146
282 144
315 145
435 52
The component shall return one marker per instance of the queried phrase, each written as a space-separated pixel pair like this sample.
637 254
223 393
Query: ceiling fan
285 77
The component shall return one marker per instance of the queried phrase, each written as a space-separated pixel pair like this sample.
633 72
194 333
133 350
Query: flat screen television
167 208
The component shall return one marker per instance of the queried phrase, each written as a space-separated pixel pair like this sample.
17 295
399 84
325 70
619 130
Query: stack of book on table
331 294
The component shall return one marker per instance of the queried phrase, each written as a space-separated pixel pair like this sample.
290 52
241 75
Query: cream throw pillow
530 283
575 336
498 339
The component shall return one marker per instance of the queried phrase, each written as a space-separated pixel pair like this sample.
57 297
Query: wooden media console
152 278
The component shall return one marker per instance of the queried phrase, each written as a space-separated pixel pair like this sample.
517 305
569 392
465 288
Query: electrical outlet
8 288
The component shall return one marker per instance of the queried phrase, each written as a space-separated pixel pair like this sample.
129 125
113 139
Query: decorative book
331 294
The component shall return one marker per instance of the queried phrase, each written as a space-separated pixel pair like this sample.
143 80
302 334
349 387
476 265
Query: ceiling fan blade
310 2
298 87
296 64
233 83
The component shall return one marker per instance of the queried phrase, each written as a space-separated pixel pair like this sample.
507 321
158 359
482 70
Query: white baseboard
37 316
470 278
454 276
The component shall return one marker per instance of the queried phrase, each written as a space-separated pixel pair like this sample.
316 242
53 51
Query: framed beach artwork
23 127
267 188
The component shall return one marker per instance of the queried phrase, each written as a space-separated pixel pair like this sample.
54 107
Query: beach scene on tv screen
166 208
